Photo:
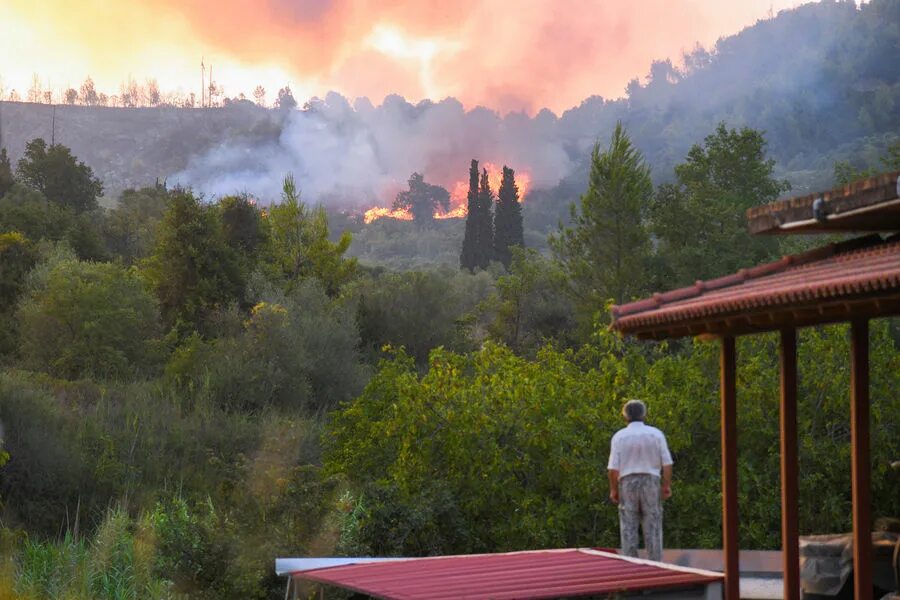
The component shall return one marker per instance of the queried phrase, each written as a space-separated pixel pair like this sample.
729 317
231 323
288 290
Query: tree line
148 94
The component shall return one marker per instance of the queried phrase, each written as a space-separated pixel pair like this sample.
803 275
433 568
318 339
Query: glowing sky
504 54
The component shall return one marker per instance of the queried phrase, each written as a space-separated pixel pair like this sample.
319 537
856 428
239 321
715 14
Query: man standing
637 455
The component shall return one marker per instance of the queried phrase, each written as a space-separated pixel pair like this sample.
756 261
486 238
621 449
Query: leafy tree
478 243
242 223
846 172
508 231
530 305
294 352
59 176
422 199
6 175
129 228
285 99
604 251
299 244
83 319
700 220
192 268
418 310
17 257
89 95
71 96
30 213
259 95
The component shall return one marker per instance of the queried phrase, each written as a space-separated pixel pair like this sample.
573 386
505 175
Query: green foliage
129 228
83 319
518 447
422 199
508 230
478 242
846 172
30 213
295 353
116 565
300 246
402 245
605 250
530 305
700 220
59 176
6 175
193 270
418 310
194 550
17 257
243 224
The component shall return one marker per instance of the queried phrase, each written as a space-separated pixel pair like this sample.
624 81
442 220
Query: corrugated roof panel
529 575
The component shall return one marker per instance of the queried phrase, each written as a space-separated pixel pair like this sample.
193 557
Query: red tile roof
860 277
870 204
520 575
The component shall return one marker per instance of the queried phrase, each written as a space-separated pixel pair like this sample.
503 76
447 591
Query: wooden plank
861 467
790 513
730 541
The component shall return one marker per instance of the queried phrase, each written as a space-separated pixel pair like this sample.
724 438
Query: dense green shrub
519 447
83 319
296 352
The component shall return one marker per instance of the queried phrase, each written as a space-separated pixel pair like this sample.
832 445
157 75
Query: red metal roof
860 277
514 575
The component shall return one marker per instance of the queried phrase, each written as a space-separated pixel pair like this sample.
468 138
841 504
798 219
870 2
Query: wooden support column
861 467
790 532
730 544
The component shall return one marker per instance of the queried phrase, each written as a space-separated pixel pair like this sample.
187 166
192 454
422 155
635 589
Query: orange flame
459 197
378 212
459 194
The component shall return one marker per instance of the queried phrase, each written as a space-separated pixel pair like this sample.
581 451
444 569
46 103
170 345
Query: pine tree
467 258
604 252
508 230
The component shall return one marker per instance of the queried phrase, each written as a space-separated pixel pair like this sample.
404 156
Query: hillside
133 147
822 81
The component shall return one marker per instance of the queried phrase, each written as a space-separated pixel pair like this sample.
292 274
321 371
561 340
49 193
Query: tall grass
116 565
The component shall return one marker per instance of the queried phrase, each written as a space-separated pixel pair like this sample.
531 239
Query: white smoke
355 156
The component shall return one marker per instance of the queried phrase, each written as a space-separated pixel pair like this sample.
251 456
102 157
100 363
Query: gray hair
634 410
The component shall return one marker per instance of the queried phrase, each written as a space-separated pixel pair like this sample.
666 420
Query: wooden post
861 468
790 532
730 544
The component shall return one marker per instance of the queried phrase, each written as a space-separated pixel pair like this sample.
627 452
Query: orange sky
504 54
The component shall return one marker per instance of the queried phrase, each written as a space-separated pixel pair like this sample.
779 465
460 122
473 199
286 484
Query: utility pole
53 127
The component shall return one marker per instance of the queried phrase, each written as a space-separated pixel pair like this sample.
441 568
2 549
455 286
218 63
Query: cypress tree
478 243
467 258
485 223
508 229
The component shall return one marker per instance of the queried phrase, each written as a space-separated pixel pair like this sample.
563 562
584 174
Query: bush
297 352
83 319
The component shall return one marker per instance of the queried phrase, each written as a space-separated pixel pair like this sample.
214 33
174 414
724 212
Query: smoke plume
360 155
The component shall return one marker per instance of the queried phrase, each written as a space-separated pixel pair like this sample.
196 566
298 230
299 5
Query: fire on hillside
459 192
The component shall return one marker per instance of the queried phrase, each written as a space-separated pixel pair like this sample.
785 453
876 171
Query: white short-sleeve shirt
639 448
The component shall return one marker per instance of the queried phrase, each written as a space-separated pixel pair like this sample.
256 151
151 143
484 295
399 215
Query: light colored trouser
640 503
